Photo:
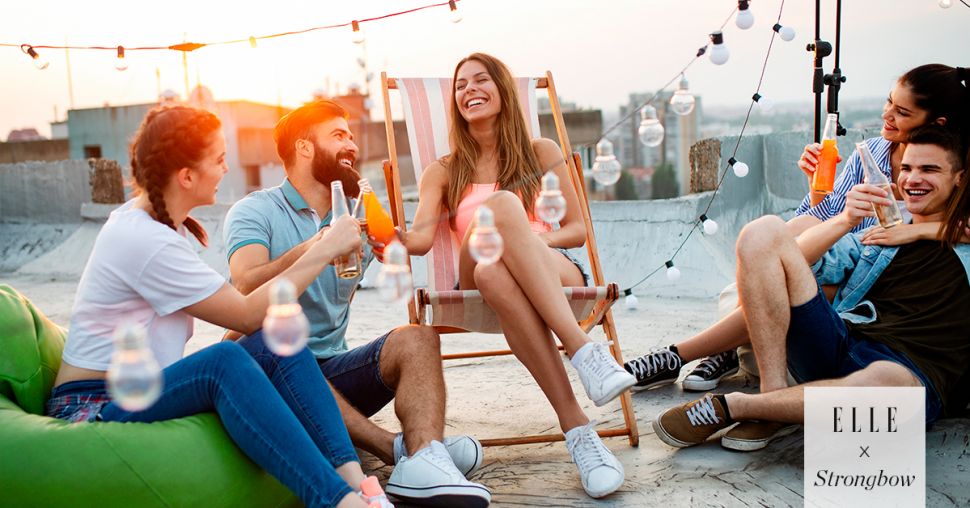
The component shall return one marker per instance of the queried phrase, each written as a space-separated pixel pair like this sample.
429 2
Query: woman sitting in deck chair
494 163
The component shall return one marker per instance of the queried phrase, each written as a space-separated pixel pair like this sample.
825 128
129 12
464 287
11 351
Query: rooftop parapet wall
634 237
53 192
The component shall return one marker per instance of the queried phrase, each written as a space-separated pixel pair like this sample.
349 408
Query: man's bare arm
250 266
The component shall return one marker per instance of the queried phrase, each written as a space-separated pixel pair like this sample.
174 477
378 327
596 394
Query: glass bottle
888 215
348 265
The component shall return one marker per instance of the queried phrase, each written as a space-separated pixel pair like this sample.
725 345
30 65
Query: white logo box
865 447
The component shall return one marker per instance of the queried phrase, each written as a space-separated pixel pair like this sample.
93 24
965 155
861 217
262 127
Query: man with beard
269 229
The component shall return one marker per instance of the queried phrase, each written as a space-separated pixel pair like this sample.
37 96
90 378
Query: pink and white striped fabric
427 110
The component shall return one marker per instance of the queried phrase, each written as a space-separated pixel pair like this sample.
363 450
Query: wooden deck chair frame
600 315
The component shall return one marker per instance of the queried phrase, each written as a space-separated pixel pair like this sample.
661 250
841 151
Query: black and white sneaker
661 366
711 370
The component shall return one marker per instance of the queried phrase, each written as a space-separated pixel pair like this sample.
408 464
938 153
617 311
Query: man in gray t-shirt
267 231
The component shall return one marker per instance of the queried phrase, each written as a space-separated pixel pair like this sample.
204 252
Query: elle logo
860 417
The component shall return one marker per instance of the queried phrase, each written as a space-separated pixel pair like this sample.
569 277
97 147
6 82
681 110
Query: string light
358 36
485 243
946 4
745 19
764 103
40 62
787 33
120 62
394 281
719 52
285 327
672 272
252 42
455 15
630 302
710 227
651 131
682 102
550 206
192 46
606 169
134 378
740 168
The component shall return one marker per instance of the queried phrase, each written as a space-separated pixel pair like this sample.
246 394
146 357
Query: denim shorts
78 401
356 374
820 347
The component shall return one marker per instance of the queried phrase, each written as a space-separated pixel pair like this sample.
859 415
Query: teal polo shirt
279 219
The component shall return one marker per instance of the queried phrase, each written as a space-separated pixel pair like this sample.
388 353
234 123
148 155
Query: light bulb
485 242
787 33
672 272
744 19
765 103
946 4
630 302
40 62
358 36
606 169
134 378
455 15
252 42
120 62
719 53
651 132
682 102
550 206
285 328
710 227
740 168
394 281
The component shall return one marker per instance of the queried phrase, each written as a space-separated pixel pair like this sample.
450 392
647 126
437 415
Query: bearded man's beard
326 169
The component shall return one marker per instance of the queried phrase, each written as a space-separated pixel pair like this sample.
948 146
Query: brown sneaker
693 422
755 435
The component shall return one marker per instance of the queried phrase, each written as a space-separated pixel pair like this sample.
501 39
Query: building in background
680 132
106 132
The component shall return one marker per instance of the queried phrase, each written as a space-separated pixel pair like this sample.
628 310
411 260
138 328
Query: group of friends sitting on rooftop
829 297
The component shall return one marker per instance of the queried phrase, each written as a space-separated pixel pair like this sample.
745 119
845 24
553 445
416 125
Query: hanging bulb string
192 46
700 53
697 223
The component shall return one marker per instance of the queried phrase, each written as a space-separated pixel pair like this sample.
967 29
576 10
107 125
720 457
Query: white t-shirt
140 271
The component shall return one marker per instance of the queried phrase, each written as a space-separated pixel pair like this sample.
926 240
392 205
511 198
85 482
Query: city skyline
598 52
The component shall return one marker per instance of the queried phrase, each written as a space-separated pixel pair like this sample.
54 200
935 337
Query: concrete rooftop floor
495 397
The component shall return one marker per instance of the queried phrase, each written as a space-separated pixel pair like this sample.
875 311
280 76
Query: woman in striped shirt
932 93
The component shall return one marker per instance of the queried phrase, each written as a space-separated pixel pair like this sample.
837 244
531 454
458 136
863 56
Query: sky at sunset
599 50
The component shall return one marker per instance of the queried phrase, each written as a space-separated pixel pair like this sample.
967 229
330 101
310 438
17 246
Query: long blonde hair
518 166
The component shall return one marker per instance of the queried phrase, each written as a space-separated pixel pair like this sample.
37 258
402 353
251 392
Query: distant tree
626 189
665 182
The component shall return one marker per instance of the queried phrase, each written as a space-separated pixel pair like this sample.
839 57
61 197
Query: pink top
475 196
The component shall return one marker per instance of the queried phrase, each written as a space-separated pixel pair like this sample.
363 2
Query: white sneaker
430 478
599 470
603 378
465 451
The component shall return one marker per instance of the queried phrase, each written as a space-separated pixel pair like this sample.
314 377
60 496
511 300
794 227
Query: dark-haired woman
142 269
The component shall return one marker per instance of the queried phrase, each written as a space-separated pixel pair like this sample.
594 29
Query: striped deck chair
426 109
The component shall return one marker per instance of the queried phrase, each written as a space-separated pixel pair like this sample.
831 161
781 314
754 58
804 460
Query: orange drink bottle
379 224
824 179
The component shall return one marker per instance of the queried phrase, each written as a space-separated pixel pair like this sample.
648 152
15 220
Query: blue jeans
820 347
278 410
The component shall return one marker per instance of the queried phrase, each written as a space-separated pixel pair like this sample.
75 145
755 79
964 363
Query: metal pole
834 81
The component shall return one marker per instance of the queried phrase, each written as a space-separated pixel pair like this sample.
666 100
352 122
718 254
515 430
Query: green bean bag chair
49 462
